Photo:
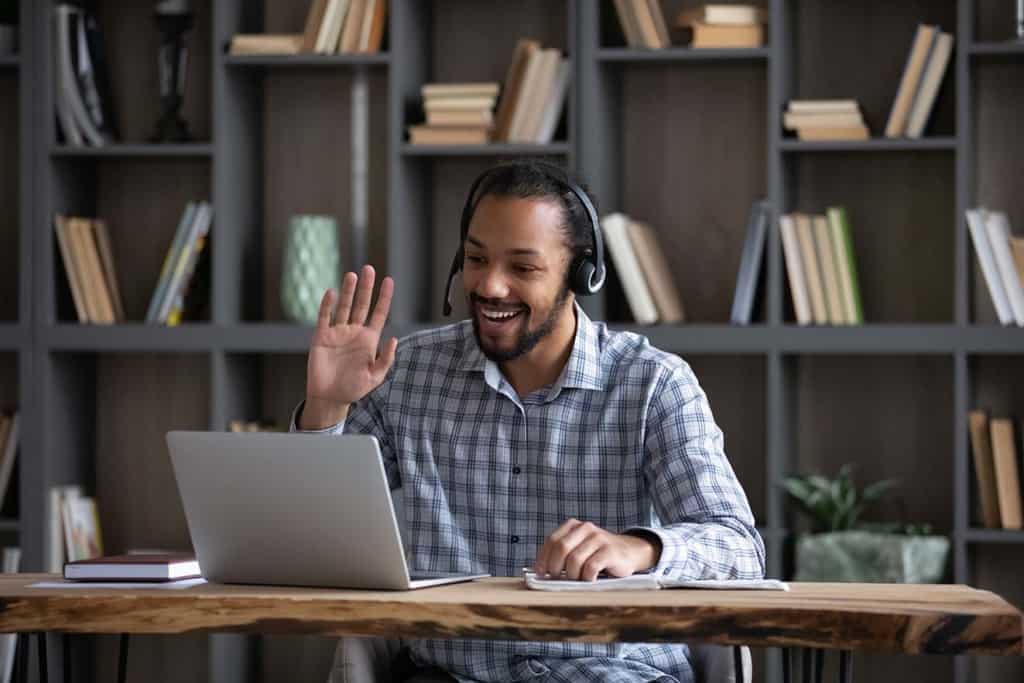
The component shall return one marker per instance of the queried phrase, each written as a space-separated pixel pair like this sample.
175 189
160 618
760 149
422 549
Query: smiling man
530 436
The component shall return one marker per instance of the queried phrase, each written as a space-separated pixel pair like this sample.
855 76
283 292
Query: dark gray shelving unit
684 139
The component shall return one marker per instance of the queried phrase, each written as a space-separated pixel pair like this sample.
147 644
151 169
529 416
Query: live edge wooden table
811 617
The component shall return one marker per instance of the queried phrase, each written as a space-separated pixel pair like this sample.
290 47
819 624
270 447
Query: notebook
648 582
134 567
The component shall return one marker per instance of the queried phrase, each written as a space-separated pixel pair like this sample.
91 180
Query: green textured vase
311 266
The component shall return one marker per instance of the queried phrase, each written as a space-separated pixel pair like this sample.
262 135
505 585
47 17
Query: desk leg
122 659
805 664
737 664
21 658
819 664
845 666
787 665
41 648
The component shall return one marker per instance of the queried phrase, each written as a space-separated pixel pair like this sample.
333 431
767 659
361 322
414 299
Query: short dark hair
535 179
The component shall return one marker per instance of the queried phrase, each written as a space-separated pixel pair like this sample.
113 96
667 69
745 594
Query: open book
648 582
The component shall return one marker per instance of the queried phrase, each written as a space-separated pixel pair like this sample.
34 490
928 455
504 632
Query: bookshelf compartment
994 21
287 16
998 163
10 182
859 50
736 390
612 35
142 202
698 203
997 568
263 388
901 207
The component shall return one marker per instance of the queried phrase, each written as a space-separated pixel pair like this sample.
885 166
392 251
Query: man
529 436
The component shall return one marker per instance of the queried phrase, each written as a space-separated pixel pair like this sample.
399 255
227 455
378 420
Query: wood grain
914 619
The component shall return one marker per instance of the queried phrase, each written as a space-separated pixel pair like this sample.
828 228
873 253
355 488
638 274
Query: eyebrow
518 252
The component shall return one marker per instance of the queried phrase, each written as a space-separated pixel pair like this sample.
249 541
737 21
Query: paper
649 582
132 585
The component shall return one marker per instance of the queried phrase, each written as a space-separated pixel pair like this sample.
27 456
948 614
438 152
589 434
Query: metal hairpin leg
845 666
819 664
65 646
787 664
122 659
21 658
805 664
41 648
737 663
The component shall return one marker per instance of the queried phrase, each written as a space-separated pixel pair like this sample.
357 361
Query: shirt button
514 539
517 470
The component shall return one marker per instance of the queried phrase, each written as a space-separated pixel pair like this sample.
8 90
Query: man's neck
545 362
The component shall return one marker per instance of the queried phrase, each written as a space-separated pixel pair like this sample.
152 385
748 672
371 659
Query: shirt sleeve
366 416
707 528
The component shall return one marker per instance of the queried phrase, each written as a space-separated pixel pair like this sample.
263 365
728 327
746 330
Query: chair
370 660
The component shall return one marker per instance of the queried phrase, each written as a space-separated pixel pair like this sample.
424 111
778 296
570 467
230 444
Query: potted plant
842 548
8 26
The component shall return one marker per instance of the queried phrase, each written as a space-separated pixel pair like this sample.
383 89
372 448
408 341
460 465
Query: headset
586 272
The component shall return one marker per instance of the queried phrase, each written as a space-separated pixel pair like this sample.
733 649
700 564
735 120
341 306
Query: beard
527 338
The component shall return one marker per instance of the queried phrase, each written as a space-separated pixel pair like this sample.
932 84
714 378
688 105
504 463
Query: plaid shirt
624 439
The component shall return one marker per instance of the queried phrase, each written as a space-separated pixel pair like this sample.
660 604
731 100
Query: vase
870 557
311 266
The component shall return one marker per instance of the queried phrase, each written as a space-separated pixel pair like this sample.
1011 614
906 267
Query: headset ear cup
582 272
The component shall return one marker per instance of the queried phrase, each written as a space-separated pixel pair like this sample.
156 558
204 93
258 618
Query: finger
323 319
540 564
364 292
596 563
348 288
561 548
385 359
383 306
578 556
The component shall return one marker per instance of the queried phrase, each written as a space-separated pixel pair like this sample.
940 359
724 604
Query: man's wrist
649 548
316 414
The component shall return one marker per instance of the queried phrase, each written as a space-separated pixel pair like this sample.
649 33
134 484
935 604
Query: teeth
499 315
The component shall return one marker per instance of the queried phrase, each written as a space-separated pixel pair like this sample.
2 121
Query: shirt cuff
297 413
673 550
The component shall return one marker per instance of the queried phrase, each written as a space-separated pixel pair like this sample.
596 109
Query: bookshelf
277 136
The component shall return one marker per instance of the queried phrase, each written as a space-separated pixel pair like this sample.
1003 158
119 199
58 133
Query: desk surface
937 619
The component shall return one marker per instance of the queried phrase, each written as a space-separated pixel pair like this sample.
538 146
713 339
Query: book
626 11
106 253
539 94
483 118
199 229
511 92
134 567
657 273
660 27
829 271
812 272
554 105
924 99
350 33
474 103
794 270
184 286
66 71
623 257
314 18
723 15
1017 249
170 257
335 13
266 44
448 135
701 35
648 582
82 536
372 32
818 133
648 27
750 264
847 119
842 240
823 106
489 89
1004 458
92 76
998 228
916 60
8 451
984 468
56 538
987 261
71 270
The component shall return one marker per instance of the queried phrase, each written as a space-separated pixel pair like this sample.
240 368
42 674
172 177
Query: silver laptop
292 510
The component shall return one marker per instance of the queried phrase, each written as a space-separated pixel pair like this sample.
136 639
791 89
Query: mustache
476 299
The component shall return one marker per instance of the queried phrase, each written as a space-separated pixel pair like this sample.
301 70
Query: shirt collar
582 371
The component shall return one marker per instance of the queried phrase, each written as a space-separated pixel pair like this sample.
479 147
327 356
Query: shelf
189 337
196 149
1006 48
993 339
9 61
709 339
938 144
319 61
993 536
283 337
681 54
497 149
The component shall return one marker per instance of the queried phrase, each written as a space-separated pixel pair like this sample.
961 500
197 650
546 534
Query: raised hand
344 362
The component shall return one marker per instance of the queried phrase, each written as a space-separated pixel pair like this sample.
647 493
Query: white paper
649 582
132 585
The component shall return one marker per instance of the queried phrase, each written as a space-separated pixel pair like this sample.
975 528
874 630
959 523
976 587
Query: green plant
833 504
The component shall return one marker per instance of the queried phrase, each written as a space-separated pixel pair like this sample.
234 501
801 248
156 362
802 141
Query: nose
492 284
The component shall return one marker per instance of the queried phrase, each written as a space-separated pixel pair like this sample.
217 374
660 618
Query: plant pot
311 266
871 557
8 39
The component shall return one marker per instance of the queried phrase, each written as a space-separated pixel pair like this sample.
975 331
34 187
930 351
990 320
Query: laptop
293 510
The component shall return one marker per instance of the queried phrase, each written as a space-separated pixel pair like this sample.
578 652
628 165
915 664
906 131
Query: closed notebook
648 582
134 567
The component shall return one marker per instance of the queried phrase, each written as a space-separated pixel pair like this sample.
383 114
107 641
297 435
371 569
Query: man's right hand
344 364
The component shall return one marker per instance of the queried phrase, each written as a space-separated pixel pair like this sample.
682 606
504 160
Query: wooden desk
914 619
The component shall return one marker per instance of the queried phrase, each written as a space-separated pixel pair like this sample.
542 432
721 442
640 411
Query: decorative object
311 265
8 27
173 20
841 548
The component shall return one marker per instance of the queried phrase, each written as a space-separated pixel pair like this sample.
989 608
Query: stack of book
332 26
642 269
722 26
88 257
457 113
85 111
643 23
168 302
10 428
993 444
74 527
821 268
533 95
826 120
1001 257
919 86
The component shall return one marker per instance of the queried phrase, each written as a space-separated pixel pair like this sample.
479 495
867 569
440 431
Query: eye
523 268
474 259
